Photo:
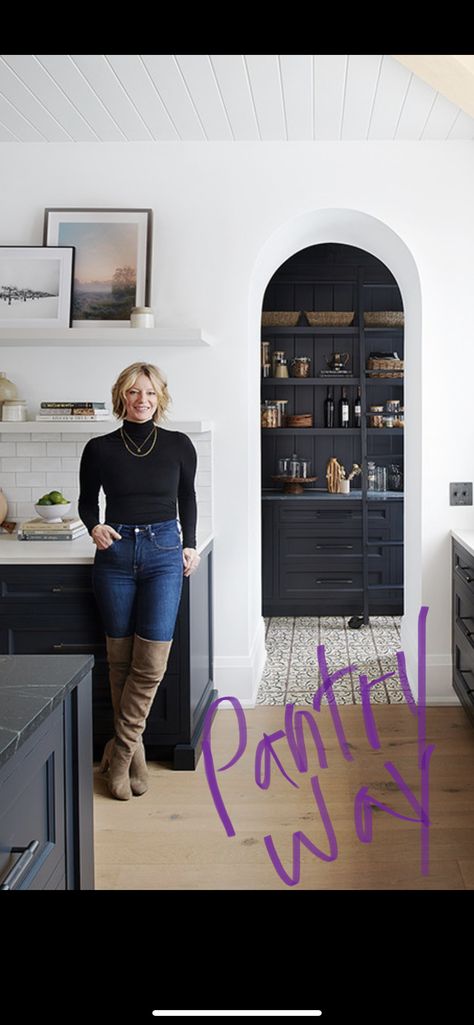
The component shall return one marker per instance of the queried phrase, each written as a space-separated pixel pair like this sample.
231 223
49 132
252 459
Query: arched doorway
351 228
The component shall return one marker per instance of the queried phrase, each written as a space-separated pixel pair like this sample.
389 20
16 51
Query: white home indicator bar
237 1014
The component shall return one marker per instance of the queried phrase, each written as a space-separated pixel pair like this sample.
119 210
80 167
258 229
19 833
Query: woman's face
141 400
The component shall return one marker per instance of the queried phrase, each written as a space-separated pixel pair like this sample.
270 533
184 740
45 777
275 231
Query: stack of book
73 411
42 530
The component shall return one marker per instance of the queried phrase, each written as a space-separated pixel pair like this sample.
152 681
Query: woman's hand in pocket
103 536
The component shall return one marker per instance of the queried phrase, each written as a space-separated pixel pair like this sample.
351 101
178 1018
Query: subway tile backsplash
31 464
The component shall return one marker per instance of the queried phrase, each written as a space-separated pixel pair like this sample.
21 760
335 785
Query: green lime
55 497
44 501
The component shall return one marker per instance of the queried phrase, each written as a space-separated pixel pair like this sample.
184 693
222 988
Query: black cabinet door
32 828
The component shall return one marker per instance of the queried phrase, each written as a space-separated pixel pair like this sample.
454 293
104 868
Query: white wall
217 207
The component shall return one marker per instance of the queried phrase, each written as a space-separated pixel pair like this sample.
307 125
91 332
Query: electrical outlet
460 494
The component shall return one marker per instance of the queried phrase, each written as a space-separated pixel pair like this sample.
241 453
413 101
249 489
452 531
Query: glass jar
281 367
371 476
14 409
300 366
269 415
265 353
281 405
380 478
278 355
284 466
388 420
305 467
395 477
392 406
142 316
376 416
294 466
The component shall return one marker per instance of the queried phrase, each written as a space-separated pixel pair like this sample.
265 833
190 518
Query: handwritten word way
267 757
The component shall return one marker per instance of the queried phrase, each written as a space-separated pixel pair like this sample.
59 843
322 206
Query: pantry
332 433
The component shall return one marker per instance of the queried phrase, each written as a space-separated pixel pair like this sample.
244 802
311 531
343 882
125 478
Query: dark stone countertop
31 686
320 495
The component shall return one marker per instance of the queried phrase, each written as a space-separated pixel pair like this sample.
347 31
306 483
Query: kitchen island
47 607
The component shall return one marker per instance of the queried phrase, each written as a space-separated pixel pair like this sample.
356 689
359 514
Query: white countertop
465 538
81 550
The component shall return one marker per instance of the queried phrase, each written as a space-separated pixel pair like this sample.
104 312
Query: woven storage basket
329 319
279 318
303 420
384 318
377 367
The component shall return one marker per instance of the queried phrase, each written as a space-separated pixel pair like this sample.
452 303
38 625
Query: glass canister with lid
300 366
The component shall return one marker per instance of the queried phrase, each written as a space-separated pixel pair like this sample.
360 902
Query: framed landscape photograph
112 261
36 286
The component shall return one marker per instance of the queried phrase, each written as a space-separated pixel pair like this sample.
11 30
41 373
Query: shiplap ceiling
220 97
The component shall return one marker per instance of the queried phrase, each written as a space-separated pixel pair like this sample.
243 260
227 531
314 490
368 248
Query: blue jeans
137 581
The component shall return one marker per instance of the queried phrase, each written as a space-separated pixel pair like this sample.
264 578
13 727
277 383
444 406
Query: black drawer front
23 633
464 614
463 572
311 545
57 583
385 519
463 664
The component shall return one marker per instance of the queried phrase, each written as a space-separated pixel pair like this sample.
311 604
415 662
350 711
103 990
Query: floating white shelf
84 336
91 427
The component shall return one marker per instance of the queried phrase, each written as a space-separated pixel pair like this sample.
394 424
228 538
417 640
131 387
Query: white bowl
53 513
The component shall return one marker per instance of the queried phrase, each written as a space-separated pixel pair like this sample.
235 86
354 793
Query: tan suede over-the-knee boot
149 662
119 658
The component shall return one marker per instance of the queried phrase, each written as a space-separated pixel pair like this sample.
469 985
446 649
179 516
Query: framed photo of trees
112 265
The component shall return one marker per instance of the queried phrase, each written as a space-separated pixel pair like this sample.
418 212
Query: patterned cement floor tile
291 670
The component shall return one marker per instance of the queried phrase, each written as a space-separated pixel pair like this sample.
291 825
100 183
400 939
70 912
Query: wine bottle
329 409
343 409
357 410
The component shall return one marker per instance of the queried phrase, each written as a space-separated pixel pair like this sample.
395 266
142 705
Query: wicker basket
384 318
329 319
302 420
274 318
377 367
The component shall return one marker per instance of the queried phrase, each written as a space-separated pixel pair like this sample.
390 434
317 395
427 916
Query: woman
140 559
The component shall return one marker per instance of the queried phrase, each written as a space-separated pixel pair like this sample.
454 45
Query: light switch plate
460 493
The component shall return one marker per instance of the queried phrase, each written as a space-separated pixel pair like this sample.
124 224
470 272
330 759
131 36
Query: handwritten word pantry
273 747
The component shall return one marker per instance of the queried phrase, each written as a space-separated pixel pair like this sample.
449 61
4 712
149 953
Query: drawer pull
64 648
19 868
330 581
345 548
57 590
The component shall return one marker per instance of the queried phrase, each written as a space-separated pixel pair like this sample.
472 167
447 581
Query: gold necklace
139 454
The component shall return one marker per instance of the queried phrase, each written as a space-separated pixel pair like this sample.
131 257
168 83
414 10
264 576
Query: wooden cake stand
293 485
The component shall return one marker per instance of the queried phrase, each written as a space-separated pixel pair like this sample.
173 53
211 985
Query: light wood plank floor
172 838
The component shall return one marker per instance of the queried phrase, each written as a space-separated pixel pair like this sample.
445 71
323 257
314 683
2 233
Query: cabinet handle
346 548
464 574
56 590
330 581
76 647
19 868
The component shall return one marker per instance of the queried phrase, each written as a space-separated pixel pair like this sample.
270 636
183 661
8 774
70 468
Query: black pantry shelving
327 554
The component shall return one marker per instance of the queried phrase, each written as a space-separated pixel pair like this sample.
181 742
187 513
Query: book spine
71 418
72 405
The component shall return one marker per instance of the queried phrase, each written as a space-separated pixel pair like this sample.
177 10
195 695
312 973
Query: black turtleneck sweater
140 490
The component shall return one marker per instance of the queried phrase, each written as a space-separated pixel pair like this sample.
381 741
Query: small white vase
344 487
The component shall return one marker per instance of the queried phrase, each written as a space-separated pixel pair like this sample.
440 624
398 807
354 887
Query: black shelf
303 330
327 431
329 382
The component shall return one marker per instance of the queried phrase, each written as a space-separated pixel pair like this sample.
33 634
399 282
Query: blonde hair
126 380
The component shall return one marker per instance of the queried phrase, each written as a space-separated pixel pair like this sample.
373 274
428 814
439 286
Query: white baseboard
239 676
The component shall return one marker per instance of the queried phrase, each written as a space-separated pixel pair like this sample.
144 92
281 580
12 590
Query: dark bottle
357 410
343 409
329 409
